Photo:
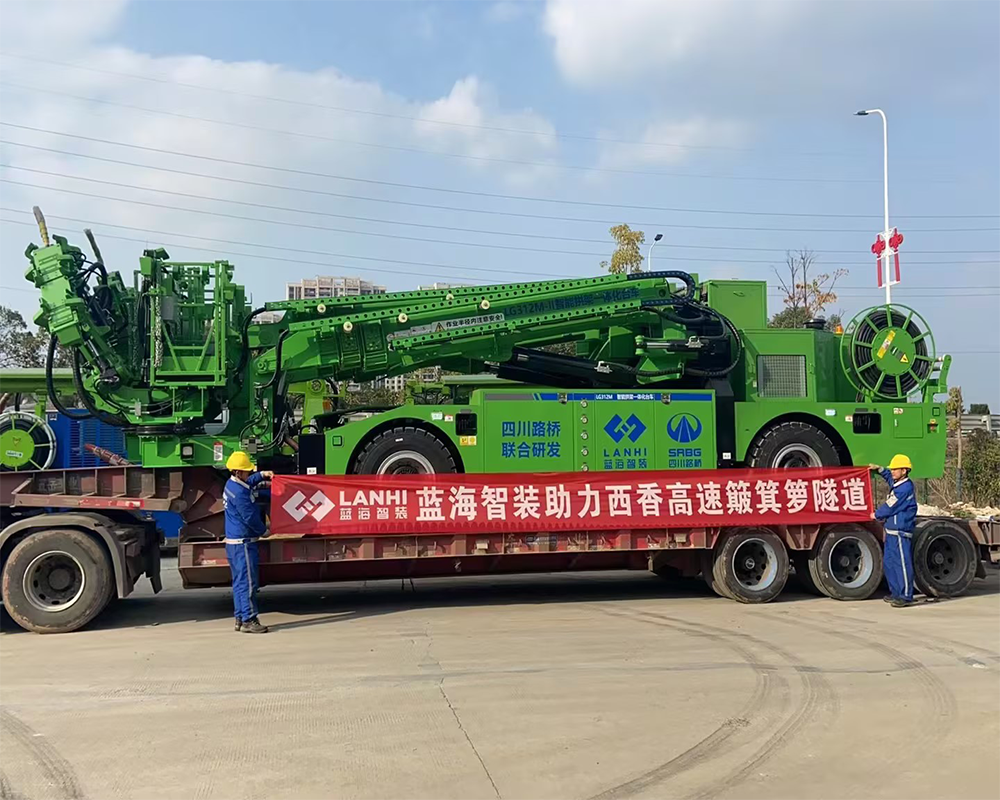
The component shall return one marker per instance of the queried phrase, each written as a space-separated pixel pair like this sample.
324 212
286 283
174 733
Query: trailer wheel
750 565
56 581
405 451
846 563
944 558
793 444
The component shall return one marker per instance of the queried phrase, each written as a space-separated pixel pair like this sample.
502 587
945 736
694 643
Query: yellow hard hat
899 461
241 461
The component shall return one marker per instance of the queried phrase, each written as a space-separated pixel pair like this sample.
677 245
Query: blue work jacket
243 517
899 511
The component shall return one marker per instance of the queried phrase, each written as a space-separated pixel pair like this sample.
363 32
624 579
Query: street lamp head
861 113
657 237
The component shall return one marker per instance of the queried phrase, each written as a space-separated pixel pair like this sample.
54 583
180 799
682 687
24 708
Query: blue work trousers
898 564
244 561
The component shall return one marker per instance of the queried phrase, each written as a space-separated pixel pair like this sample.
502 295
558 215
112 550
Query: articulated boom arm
628 329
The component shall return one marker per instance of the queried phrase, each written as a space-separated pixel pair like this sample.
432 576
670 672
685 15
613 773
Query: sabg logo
684 428
618 429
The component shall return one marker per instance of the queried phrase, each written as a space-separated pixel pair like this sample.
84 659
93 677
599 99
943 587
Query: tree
627 257
954 408
18 346
979 408
981 468
805 294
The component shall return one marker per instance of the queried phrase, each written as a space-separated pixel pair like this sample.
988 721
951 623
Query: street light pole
649 255
885 189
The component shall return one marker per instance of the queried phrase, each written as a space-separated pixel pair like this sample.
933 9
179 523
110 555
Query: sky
485 142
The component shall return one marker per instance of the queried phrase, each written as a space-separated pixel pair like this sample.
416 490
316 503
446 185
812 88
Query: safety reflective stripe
253 611
904 534
902 564
238 541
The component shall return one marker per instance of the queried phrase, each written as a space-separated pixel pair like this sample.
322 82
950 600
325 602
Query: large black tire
846 563
56 581
944 558
792 444
404 450
750 565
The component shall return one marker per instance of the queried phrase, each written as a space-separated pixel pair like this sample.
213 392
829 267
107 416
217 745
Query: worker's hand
875 467
267 474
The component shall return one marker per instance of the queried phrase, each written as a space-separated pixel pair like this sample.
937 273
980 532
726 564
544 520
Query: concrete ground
613 685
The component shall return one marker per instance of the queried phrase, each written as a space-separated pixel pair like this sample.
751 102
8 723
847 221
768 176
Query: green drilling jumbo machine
679 373
620 373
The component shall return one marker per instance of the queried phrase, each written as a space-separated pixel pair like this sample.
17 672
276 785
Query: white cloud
394 121
600 43
471 104
25 24
669 141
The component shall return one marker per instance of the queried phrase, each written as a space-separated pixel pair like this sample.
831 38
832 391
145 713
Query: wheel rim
406 462
755 565
54 581
796 456
851 562
946 560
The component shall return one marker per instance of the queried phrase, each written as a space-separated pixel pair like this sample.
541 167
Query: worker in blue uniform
244 526
898 513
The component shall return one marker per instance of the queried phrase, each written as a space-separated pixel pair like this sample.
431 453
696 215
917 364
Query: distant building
398 382
439 285
331 286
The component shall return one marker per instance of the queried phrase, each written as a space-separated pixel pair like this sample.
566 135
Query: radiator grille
781 376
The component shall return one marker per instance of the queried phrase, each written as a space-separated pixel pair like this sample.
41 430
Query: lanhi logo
684 428
317 506
618 428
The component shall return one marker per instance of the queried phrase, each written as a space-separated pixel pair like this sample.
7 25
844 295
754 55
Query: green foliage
979 408
368 395
20 348
954 408
627 257
981 469
805 294
797 317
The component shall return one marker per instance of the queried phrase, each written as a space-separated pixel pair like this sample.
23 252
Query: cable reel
888 352
27 442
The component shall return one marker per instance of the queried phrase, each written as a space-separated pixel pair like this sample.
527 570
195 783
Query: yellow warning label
467 441
904 359
885 345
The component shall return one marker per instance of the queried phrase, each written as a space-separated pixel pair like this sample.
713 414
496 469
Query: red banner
356 505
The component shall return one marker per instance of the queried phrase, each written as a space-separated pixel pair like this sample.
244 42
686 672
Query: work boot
239 625
888 598
899 602
254 626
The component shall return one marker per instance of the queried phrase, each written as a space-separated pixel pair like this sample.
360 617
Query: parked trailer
61 568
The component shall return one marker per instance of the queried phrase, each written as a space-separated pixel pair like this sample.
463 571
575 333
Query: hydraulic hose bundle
678 304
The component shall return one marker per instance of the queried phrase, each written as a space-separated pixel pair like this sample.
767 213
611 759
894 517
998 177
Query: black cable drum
27 442
865 334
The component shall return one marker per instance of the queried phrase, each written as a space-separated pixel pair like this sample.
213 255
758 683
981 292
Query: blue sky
726 125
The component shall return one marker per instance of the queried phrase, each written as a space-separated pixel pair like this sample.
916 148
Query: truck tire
944 558
405 451
750 565
56 581
846 563
793 444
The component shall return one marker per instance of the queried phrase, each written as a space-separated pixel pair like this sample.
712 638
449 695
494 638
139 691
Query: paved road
608 686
